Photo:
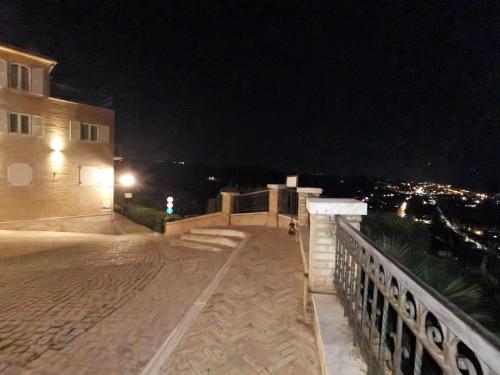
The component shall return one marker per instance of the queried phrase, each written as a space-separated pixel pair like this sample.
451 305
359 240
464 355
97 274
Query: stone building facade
56 157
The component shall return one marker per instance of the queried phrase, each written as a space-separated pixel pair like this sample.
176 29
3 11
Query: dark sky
401 88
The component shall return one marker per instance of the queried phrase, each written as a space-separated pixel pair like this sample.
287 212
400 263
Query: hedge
149 217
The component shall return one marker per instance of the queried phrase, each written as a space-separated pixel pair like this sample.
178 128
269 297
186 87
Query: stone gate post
272 218
304 193
323 237
227 206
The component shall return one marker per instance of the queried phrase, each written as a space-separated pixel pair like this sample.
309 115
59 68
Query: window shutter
104 134
3 121
37 81
3 73
75 130
37 128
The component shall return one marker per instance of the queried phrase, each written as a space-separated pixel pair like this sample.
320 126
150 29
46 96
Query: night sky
403 89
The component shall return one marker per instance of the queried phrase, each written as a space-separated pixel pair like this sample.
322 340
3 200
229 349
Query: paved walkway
102 304
253 323
92 304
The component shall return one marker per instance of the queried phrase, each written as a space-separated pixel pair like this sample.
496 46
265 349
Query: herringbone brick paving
253 323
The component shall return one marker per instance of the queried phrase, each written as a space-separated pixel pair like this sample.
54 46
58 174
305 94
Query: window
19 77
19 123
84 131
19 174
89 132
93 133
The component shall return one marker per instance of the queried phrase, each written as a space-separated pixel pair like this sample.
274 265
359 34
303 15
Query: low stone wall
256 218
176 228
100 223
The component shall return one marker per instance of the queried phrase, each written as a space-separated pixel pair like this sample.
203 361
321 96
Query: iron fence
401 325
288 202
252 202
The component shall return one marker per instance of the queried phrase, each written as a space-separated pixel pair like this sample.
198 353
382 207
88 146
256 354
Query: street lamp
127 180
170 206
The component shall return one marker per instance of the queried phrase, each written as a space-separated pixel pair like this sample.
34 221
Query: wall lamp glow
127 179
56 144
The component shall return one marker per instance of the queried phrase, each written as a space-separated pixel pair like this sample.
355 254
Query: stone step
194 245
219 232
209 239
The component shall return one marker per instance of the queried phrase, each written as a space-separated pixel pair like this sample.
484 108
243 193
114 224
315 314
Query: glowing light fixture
127 179
56 144
170 206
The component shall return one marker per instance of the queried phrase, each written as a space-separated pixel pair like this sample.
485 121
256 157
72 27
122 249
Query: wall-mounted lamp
56 144
56 156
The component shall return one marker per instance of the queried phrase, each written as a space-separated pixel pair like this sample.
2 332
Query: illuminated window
89 132
19 77
19 123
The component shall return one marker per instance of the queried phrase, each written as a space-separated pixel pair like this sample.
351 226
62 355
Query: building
56 156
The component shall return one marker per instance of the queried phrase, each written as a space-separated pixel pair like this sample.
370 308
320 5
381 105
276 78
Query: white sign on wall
89 175
19 174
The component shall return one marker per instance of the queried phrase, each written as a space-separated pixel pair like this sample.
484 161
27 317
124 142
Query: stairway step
194 245
210 239
219 232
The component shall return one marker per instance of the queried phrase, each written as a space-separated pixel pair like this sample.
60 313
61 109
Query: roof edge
18 51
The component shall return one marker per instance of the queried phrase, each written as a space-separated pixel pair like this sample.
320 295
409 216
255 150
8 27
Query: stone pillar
304 193
227 207
272 216
323 237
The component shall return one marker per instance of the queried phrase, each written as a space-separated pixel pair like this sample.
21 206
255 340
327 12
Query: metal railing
257 201
401 325
288 202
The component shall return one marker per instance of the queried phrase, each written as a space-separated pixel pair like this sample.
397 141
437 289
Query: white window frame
89 138
18 132
19 76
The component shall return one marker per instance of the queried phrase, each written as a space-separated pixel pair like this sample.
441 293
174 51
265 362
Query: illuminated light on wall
57 159
56 156
127 179
56 144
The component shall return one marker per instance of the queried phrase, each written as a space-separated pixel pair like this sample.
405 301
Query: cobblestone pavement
98 306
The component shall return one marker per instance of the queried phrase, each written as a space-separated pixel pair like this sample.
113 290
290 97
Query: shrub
149 217
409 243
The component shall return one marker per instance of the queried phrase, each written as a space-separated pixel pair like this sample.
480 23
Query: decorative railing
401 325
257 201
288 202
